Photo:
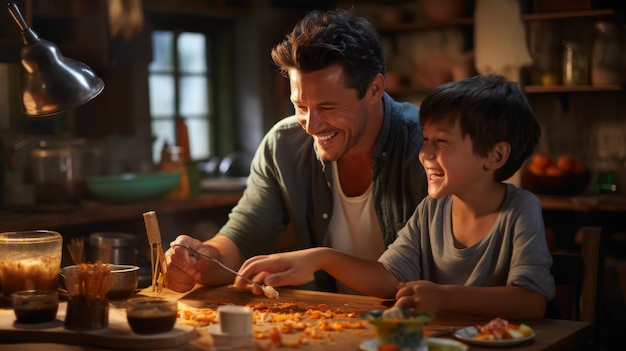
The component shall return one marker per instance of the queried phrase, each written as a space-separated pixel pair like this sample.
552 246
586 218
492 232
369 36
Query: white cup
235 320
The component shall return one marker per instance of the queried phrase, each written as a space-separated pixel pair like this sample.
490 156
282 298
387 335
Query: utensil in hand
268 290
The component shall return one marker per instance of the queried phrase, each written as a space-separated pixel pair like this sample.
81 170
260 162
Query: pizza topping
270 292
501 329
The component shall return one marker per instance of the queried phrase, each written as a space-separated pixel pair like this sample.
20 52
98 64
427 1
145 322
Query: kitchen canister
608 55
121 248
575 64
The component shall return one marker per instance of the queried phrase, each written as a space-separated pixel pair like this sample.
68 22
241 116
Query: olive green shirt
290 187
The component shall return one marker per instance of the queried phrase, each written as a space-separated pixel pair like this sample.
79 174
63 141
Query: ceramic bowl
132 187
404 330
567 184
124 280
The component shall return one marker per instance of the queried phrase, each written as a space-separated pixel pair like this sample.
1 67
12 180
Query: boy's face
449 160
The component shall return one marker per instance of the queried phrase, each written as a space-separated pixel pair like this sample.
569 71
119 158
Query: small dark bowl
151 315
569 184
35 306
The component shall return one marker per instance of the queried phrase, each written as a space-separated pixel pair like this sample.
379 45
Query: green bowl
132 187
406 332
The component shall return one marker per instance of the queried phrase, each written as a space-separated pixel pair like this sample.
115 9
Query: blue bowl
132 187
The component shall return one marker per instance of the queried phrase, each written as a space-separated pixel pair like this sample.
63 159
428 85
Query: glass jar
29 260
59 168
575 64
608 56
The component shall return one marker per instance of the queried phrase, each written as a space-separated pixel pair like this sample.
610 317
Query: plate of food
498 332
433 344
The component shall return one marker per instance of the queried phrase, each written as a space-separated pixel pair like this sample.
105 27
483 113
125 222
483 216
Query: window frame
219 34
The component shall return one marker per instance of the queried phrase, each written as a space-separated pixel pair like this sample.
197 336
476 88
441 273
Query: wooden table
550 334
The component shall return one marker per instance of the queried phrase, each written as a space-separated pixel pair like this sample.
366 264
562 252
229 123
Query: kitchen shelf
537 89
571 15
423 25
91 211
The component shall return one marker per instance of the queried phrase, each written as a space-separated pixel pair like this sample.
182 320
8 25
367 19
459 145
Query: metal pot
121 248
59 168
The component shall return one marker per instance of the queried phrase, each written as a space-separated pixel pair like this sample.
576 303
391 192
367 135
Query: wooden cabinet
426 45
571 25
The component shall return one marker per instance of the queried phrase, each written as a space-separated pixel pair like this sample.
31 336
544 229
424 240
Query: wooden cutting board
117 336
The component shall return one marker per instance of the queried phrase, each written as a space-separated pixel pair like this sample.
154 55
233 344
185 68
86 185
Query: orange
554 171
540 161
535 169
566 163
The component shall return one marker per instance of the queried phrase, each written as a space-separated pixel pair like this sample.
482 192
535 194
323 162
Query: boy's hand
423 295
289 268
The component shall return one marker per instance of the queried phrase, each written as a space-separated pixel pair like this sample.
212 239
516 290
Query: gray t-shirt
514 252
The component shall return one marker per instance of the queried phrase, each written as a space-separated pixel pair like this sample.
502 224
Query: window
180 84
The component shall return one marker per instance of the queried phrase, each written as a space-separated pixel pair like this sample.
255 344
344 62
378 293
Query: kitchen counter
584 203
91 211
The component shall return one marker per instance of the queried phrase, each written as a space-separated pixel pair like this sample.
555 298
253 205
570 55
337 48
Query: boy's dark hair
320 40
490 109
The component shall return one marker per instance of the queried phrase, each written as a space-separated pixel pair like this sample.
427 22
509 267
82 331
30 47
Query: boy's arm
510 302
366 276
297 267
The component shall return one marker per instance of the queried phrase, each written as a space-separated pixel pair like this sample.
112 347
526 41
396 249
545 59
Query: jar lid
112 239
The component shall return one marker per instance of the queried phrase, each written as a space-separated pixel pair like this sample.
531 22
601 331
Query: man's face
328 111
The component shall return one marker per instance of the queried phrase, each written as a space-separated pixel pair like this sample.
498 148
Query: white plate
446 344
467 334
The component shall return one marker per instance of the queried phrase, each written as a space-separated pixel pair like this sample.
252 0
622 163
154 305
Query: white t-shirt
354 227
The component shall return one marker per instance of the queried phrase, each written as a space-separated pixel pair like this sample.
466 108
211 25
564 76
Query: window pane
162 50
193 95
198 138
163 131
191 52
161 95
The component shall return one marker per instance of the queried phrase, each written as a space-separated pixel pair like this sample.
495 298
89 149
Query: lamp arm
28 34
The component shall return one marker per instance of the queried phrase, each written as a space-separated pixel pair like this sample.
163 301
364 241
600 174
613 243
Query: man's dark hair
320 40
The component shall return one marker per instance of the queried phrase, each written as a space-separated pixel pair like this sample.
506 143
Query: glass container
59 168
575 64
29 260
608 55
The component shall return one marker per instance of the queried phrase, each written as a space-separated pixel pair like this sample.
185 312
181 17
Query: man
343 171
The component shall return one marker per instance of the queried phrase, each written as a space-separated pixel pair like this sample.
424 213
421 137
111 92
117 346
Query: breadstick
157 259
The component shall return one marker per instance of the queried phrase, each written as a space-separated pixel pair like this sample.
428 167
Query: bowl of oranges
564 175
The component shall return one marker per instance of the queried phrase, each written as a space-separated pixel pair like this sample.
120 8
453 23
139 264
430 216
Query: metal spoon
268 290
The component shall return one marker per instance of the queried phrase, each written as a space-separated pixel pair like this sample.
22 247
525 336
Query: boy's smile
449 160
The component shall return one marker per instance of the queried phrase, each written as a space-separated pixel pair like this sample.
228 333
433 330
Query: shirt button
384 154
324 215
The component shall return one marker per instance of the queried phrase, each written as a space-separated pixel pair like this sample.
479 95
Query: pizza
501 329
273 321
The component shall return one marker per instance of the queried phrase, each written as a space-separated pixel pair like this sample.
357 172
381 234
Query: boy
475 245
